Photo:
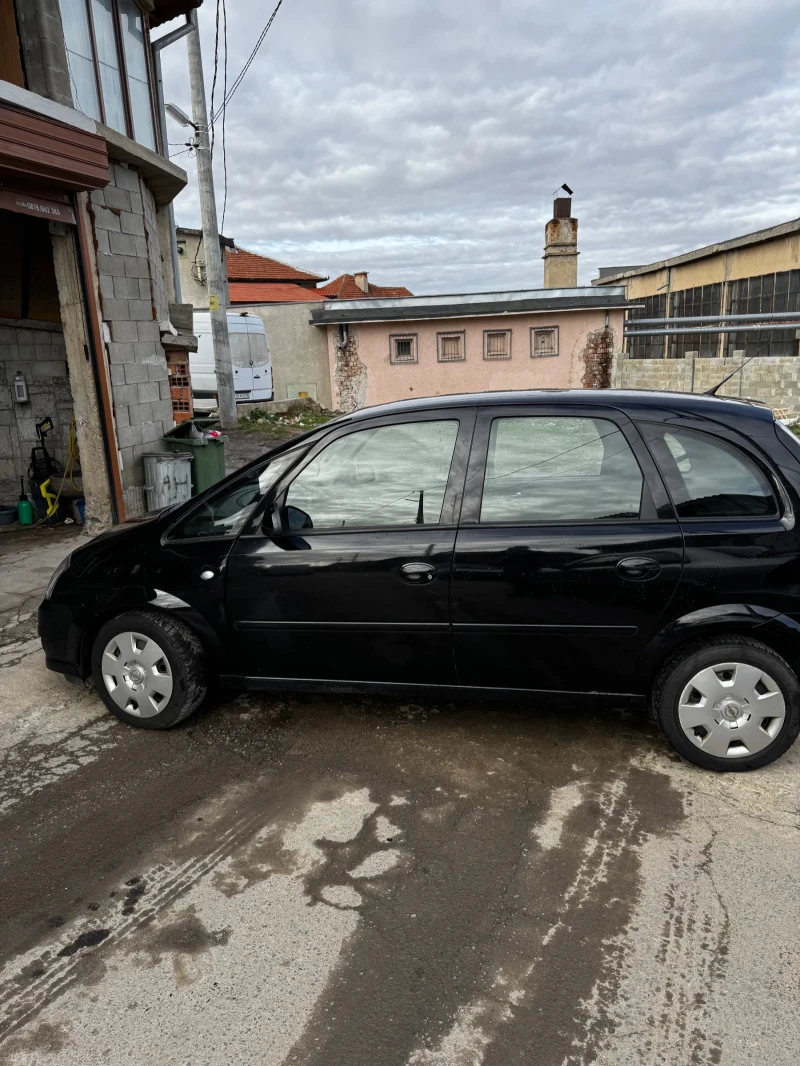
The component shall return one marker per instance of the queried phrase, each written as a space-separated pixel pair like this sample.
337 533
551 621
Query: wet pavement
370 882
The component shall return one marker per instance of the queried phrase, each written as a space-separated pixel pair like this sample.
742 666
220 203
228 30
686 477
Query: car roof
699 404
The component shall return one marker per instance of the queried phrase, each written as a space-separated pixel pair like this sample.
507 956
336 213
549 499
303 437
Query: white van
252 366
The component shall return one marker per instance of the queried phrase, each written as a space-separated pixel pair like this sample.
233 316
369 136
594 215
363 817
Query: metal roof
758 237
469 305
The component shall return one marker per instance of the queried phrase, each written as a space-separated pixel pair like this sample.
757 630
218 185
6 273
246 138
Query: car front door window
225 514
386 476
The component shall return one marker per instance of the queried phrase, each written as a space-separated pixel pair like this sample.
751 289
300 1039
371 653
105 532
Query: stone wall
35 349
133 300
775 380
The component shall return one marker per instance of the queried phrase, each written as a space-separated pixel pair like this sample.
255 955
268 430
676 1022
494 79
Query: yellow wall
769 257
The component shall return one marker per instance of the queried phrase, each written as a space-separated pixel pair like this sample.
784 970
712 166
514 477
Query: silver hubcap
136 674
731 710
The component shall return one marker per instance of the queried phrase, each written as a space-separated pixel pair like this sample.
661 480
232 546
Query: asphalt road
364 882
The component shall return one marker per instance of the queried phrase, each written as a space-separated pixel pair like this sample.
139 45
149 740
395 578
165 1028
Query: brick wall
349 373
775 380
133 300
36 349
598 356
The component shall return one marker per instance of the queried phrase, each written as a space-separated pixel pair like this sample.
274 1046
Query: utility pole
215 276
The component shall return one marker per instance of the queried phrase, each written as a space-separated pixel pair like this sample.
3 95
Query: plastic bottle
24 507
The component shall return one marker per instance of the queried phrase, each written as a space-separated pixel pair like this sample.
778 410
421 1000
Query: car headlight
62 568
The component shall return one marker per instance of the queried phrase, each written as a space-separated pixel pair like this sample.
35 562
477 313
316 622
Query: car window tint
224 514
559 470
392 475
710 478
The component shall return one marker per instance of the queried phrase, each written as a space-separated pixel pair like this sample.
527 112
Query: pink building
393 349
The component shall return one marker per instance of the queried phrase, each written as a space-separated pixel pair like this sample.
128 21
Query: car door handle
417 573
638 568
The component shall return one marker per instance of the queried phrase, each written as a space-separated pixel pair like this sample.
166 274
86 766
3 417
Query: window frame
393 338
272 523
729 444
462 333
119 41
543 329
656 506
496 358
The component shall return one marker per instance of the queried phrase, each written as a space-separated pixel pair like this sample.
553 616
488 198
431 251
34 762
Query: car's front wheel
149 669
729 704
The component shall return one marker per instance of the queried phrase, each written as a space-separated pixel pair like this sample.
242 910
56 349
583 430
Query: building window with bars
759 295
497 344
450 347
402 348
686 303
109 65
544 341
648 347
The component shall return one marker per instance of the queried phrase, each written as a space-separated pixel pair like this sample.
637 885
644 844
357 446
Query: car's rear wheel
149 669
731 704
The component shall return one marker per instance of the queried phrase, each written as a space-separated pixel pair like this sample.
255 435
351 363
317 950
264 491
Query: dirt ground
242 446
309 881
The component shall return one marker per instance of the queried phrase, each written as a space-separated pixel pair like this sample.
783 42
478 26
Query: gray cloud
422 139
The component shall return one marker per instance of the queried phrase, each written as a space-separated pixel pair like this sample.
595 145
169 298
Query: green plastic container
208 453
25 513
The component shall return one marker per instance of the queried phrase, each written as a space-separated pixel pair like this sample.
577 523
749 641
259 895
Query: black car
635 547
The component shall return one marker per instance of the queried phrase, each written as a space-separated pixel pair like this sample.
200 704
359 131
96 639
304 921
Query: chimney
361 280
561 247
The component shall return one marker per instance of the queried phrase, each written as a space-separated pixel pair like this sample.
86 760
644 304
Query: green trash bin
208 453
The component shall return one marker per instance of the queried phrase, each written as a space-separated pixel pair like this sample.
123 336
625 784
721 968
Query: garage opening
39 459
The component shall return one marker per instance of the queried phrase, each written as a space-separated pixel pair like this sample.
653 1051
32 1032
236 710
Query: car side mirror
297 519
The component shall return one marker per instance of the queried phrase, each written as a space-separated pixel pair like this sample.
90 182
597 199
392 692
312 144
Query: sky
422 140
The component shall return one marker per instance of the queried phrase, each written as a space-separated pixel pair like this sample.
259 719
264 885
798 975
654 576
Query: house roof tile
249 266
269 292
344 288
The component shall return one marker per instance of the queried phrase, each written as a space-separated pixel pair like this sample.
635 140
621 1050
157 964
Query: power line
224 94
246 67
214 79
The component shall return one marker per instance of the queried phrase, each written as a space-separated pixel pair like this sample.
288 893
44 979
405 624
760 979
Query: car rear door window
542 469
385 476
710 478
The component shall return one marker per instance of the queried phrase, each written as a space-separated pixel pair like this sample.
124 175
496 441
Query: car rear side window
385 476
541 469
708 477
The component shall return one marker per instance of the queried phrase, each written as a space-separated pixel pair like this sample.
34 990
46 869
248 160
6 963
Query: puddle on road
190 957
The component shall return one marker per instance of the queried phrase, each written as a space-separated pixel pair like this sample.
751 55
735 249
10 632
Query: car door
346 576
193 555
739 530
567 553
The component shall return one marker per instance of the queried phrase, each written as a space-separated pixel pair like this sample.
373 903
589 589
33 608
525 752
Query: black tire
682 668
183 653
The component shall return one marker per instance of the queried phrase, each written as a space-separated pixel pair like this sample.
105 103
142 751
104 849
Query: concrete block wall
133 299
36 349
775 380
